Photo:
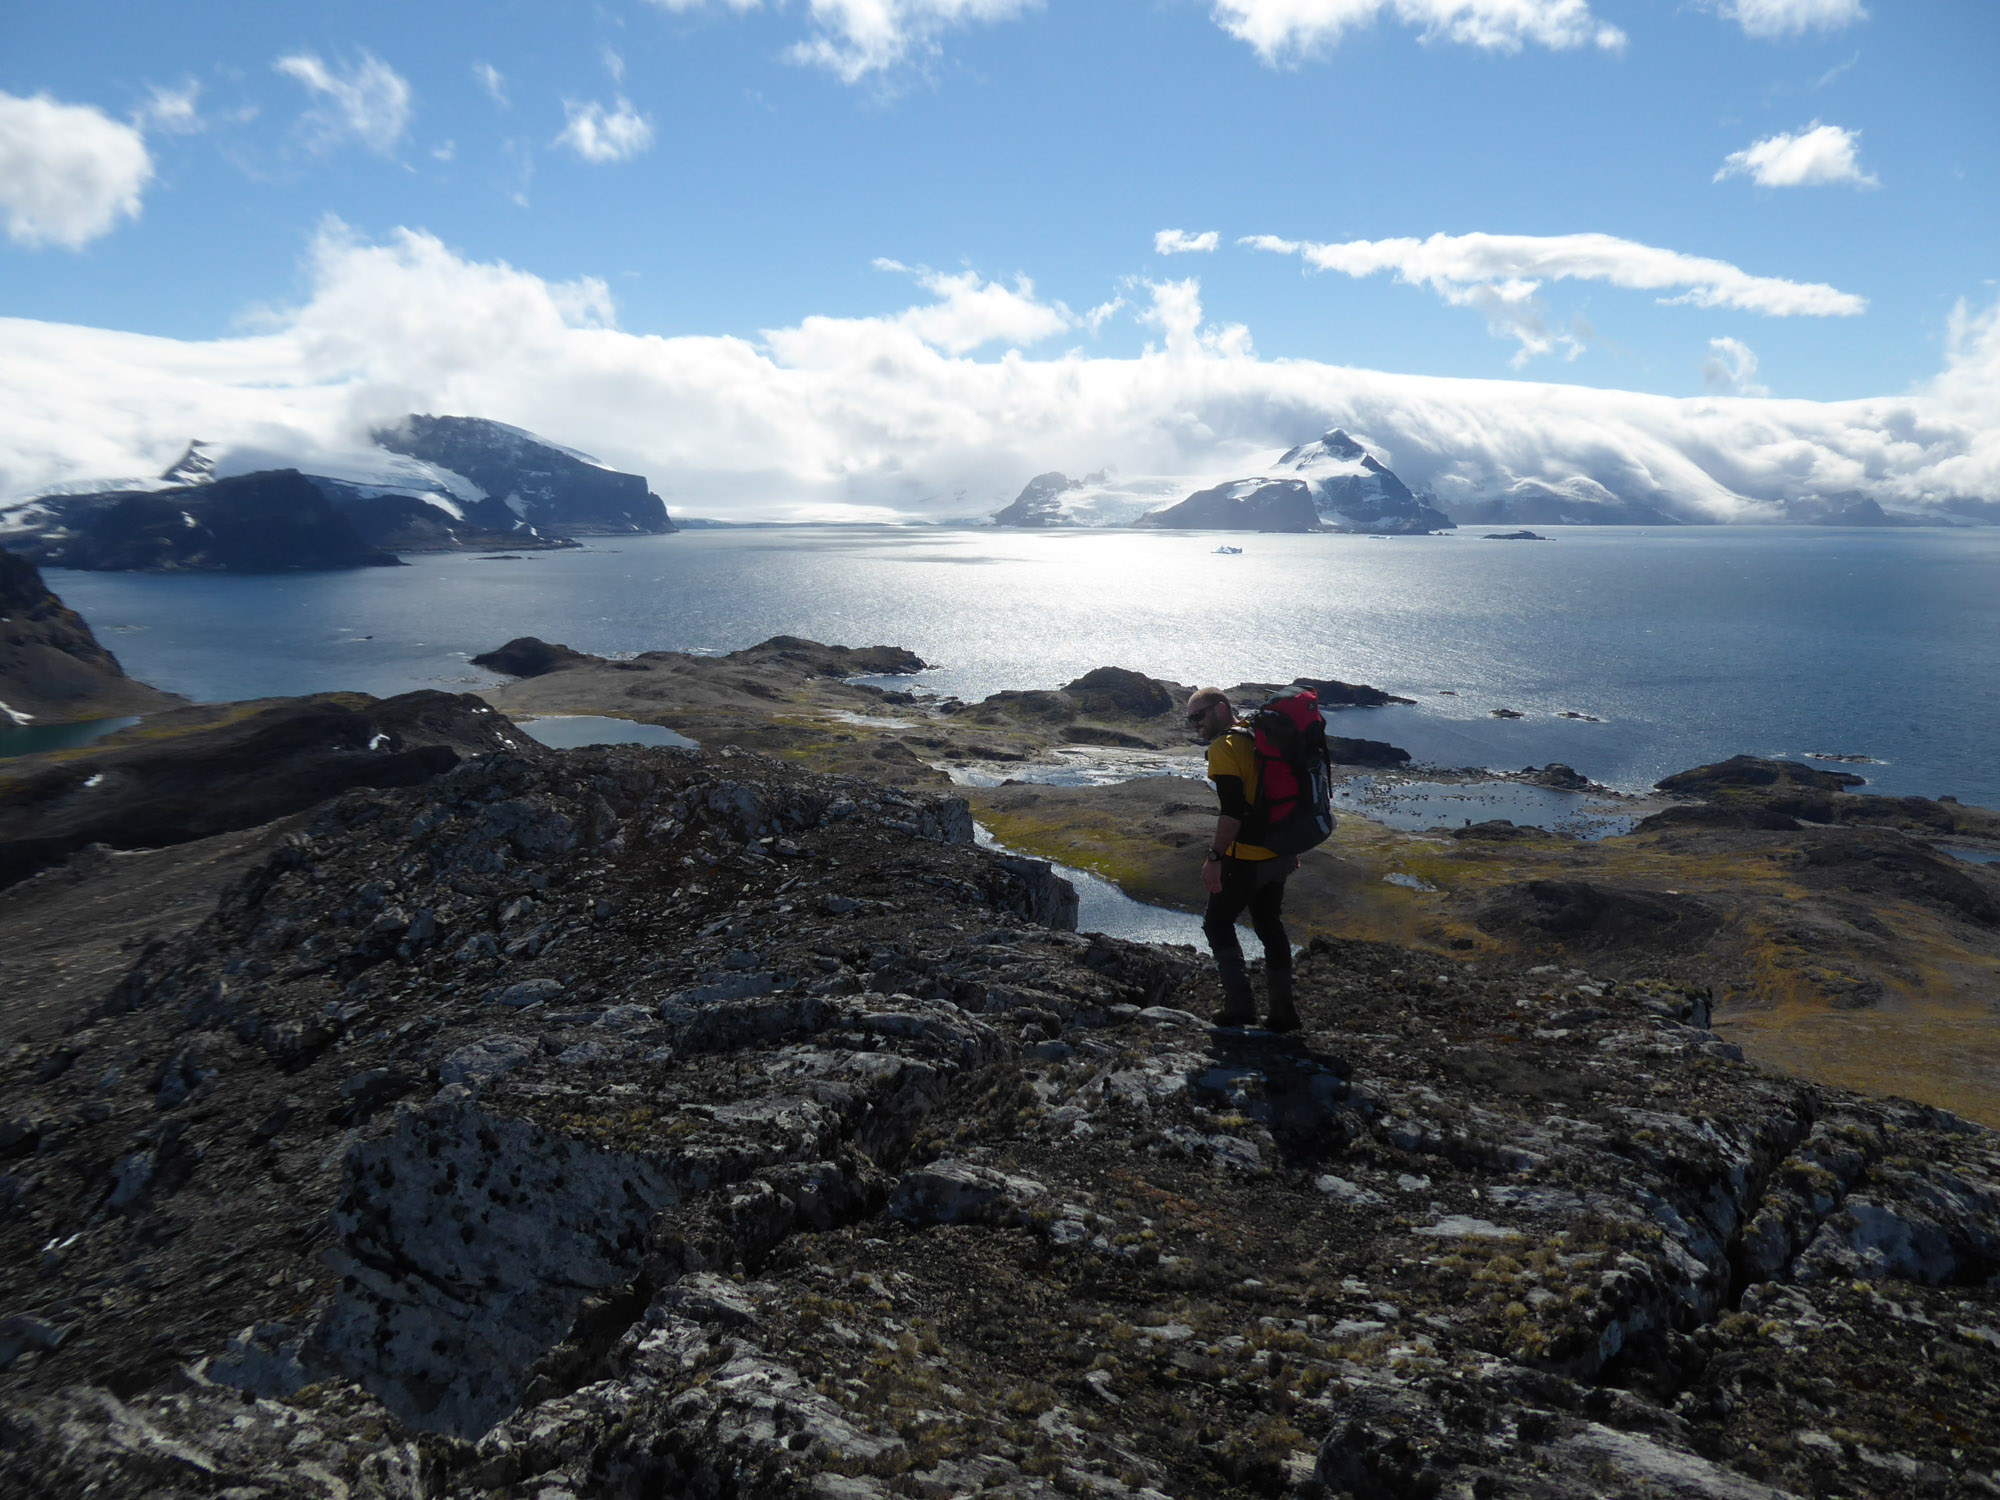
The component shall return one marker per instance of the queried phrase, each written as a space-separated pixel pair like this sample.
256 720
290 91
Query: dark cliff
273 521
529 481
52 669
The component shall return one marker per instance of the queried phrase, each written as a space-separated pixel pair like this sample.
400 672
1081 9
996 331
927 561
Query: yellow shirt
1236 755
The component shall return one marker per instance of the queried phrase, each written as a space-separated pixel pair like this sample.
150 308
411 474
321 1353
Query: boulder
1106 691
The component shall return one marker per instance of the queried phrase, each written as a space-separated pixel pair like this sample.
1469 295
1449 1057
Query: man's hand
1226 829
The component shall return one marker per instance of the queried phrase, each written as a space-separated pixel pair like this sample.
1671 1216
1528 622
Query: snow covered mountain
1329 484
1243 505
524 479
427 484
1100 499
1353 492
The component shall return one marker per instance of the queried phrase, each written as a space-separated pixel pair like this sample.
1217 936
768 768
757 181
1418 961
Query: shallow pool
1102 907
33 738
1413 805
574 731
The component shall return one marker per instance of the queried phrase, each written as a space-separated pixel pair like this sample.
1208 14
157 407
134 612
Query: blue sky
1814 180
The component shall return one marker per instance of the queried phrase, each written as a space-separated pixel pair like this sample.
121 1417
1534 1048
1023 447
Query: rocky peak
195 466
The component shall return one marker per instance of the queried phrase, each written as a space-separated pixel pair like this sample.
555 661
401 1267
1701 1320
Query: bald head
1208 713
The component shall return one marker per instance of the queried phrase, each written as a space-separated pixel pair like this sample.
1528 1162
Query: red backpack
1293 809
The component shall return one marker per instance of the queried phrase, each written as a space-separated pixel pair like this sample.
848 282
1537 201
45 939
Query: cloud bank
1290 30
68 172
1500 275
1817 156
938 410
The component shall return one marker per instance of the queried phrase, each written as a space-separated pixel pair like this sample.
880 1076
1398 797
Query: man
1237 875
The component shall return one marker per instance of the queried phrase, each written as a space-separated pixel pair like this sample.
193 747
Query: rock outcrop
1752 791
531 656
194 772
529 481
649 1122
52 669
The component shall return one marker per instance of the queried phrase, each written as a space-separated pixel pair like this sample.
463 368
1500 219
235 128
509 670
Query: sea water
1682 645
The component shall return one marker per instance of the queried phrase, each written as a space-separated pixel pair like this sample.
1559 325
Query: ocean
1681 646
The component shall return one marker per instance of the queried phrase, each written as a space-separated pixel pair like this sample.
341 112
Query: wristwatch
1213 858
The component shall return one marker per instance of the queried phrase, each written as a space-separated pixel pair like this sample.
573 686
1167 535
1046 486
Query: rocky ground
661 1122
1840 939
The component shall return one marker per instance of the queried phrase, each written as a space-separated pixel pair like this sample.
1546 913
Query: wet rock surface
642 1122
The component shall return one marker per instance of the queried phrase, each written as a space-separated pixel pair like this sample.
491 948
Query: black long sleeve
1229 790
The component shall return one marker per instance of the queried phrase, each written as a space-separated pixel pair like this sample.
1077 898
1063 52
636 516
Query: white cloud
841 414
68 172
855 39
493 81
1768 19
1731 369
172 111
368 104
1176 312
601 135
1282 30
1500 275
1816 156
1180 242
968 314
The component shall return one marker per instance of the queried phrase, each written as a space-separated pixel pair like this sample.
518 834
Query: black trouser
1258 884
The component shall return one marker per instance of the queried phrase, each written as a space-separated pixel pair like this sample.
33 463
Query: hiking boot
1284 1014
1239 1008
